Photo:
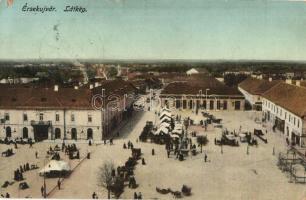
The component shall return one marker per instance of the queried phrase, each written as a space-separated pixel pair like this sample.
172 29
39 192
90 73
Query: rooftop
257 86
194 87
290 97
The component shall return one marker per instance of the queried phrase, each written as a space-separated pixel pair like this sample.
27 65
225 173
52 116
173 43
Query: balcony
41 123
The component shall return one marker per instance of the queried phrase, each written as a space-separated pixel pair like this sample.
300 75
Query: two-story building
284 107
63 113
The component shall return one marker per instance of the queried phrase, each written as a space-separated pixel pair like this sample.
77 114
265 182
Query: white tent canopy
54 165
164 124
165 114
174 136
162 130
165 117
166 109
176 131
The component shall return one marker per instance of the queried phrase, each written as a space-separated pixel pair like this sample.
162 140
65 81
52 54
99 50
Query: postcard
153 99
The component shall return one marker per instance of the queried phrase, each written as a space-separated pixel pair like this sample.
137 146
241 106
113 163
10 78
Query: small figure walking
59 184
205 158
153 152
42 190
135 195
94 195
36 154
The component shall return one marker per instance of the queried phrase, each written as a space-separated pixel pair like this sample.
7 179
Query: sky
156 29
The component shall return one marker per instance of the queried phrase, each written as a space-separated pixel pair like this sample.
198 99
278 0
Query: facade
284 107
60 113
253 89
208 94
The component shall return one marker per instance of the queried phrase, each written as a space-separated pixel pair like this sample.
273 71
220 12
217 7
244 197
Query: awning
54 165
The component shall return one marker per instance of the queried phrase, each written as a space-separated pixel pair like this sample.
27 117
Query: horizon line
151 60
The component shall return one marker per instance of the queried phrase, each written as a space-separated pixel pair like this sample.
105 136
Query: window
281 112
211 107
57 117
294 120
298 123
285 115
25 117
41 117
225 105
218 105
204 104
89 118
72 117
7 117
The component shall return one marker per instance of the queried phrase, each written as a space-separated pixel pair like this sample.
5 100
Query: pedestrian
135 195
94 195
205 158
42 190
36 154
153 152
143 161
139 195
7 195
16 147
59 184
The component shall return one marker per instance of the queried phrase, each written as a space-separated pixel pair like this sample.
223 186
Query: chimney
298 83
55 88
76 87
288 81
270 79
90 86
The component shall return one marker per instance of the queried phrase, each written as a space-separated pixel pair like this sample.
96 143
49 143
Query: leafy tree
105 177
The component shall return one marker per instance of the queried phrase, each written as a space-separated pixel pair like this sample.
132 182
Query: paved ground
231 175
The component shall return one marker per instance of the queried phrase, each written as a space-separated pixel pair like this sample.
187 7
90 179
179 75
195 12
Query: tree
112 72
105 177
202 140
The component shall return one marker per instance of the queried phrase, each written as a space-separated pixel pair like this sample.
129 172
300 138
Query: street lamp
102 115
207 89
45 187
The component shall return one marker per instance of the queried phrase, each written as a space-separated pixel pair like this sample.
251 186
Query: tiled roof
193 87
257 86
45 98
290 97
17 97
